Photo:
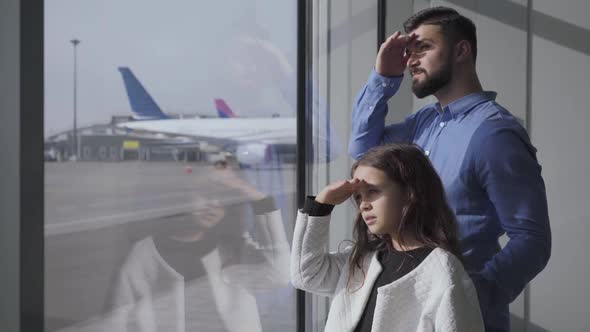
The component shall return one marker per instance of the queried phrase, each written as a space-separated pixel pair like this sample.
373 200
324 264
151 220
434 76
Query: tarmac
95 212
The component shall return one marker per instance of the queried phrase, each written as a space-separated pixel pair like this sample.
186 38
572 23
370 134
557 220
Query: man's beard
434 82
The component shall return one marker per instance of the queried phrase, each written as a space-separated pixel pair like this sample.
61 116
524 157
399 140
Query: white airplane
255 140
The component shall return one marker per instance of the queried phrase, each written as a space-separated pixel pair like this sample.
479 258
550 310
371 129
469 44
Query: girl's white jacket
438 295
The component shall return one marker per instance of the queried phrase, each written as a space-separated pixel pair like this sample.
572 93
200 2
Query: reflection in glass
198 274
170 220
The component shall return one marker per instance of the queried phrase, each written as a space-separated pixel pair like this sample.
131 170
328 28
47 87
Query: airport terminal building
109 142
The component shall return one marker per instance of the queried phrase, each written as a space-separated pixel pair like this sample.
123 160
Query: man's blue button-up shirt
492 180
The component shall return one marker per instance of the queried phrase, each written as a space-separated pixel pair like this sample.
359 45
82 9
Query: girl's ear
406 201
407 198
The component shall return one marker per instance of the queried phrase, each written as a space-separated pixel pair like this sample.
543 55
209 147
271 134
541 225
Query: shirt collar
467 102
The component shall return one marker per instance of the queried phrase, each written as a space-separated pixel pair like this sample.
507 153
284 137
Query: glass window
190 230
344 40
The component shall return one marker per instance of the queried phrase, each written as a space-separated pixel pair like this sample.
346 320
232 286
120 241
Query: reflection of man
258 65
484 157
199 277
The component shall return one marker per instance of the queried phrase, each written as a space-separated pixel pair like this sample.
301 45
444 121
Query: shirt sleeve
368 116
313 268
315 209
264 205
509 173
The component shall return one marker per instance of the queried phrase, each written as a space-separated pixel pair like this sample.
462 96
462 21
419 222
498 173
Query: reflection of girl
403 271
197 278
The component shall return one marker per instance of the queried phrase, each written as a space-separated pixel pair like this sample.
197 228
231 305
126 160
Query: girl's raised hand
337 192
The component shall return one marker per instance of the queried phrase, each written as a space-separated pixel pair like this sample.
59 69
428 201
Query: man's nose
413 61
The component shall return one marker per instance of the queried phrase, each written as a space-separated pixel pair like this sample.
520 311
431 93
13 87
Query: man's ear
462 51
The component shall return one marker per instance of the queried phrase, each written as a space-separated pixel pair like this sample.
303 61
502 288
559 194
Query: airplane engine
260 154
252 155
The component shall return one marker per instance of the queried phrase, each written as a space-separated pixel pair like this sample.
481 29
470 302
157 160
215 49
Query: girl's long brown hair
426 215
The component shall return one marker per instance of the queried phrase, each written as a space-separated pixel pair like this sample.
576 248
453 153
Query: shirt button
427 152
384 84
442 124
370 108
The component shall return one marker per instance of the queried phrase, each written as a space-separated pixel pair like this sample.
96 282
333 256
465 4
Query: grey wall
352 55
544 85
559 126
403 104
9 164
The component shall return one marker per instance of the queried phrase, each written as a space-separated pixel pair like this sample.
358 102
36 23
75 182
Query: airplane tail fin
223 110
143 106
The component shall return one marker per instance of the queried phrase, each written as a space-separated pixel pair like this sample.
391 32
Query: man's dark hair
454 26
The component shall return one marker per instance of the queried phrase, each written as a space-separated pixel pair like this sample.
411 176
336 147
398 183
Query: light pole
75 151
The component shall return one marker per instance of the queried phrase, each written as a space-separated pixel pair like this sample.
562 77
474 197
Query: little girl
403 272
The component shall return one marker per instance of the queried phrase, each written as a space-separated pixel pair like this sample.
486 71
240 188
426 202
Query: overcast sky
177 48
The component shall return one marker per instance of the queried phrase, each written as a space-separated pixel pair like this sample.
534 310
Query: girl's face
379 200
211 214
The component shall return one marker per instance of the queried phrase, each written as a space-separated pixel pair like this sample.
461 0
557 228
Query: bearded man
483 155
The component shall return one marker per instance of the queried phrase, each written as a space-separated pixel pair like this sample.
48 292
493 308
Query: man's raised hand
391 58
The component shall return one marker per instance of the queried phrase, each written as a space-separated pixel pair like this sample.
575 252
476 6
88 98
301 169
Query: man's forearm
508 272
369 111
